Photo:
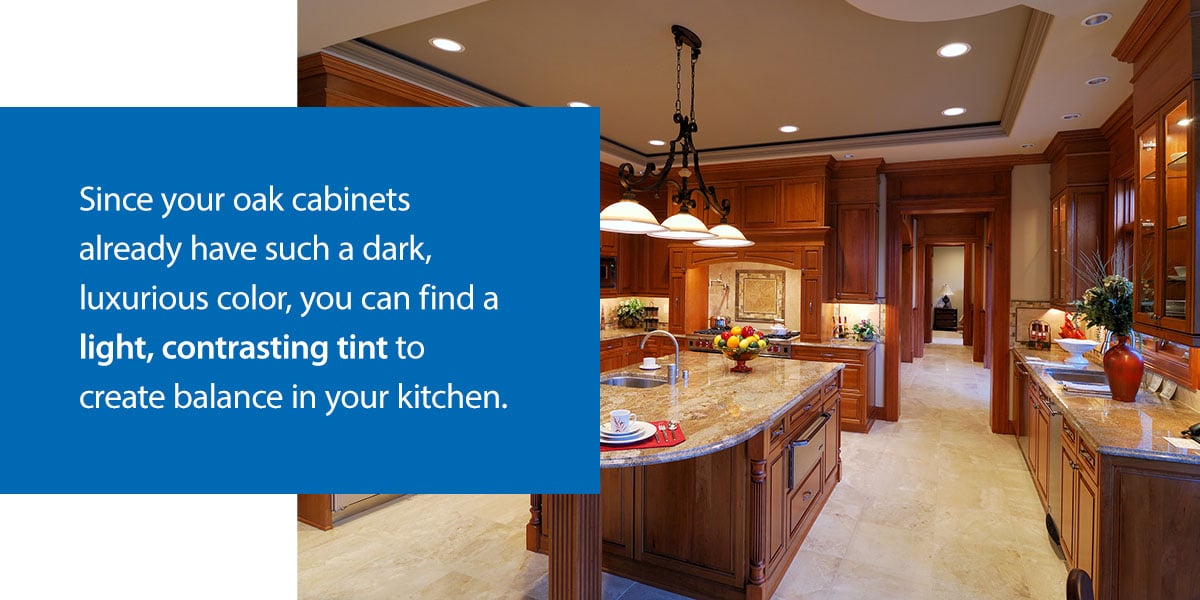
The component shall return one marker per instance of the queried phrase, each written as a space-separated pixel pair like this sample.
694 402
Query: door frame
940 187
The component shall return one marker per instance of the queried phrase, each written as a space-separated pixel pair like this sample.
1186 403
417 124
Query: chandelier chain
692 109
678 69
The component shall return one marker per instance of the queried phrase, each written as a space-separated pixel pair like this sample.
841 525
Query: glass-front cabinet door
1145 282
1165 247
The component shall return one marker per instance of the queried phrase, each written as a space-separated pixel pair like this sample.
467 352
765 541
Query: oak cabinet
722 525
782 204
724 191
760 204
858 382
803 203
855 249
1165 248
1076 223
1080 502
625 351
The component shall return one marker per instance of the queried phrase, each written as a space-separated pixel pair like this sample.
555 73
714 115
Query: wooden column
575 546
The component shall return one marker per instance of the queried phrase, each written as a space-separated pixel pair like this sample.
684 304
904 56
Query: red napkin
651 442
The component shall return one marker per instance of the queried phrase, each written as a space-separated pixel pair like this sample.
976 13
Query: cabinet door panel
810 316
1066 529
1086 511
856 244
803 204
616 511
703 524
760 204
776 500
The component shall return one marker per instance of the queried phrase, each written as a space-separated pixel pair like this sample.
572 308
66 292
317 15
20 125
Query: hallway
933 506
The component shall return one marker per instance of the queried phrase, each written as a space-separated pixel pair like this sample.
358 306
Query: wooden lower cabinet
858 382
1080 502
622 352
724 525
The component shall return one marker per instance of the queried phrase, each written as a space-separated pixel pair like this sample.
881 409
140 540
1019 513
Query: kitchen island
721 514
1125 501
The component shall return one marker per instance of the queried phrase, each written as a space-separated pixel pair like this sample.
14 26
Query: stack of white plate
639 431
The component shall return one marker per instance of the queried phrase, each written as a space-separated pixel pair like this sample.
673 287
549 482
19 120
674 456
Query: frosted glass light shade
627 216
683 226
727 236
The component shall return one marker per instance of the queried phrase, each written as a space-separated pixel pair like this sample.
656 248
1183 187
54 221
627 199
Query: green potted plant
631 312
864 330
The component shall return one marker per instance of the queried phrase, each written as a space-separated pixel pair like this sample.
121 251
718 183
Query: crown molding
1152 17
1031 48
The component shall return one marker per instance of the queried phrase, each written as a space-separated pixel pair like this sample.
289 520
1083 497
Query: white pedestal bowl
1076 348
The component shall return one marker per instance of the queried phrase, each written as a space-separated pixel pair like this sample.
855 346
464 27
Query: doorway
949 204
945 288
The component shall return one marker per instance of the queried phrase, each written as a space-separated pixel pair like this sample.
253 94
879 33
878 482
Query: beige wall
1031 232
948 268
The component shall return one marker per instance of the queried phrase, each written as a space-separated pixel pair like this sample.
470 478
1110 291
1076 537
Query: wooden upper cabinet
1079 163
1165 249
855 261
783 204
802 203
760 204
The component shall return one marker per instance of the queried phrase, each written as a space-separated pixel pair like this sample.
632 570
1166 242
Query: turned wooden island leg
574 546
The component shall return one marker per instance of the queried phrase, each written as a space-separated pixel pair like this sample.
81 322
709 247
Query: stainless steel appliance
608 272
780 345
346 505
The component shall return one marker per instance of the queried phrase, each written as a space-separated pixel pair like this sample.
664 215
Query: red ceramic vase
1123 367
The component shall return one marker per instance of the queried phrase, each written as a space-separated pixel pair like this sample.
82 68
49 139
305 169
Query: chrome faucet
672 370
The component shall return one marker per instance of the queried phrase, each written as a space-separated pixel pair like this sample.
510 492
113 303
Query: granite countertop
623 332
613 334
852 344
1134 429
717 409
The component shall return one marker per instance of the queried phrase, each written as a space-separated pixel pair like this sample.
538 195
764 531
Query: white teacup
650 362
622 420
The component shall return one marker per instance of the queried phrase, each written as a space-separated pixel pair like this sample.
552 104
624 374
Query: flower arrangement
1108 303
631 312
864 330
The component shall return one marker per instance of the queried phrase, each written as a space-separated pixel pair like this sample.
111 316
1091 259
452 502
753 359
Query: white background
146 53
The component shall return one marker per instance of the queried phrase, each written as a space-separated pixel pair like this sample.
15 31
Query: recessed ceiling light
447 44
1071 116
1097 80
578 104
954 49
1184 122
954 111
1026 145
657 143
789 129
1096 19
847 155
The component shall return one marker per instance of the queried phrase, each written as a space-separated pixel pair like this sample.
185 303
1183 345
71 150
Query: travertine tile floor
932 506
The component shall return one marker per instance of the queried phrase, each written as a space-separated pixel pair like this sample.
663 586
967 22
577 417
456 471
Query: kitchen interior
897 265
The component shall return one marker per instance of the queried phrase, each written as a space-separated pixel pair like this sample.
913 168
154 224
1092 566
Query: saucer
606 429
645 368
641 431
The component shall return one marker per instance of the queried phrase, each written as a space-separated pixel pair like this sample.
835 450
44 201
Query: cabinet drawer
802 413
608 345
802 498
842 355
1070 438
1087 457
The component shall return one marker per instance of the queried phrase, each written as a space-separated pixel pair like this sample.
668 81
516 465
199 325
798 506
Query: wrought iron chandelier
628 216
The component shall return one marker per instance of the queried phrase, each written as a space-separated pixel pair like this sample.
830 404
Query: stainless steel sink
1077 376
633 381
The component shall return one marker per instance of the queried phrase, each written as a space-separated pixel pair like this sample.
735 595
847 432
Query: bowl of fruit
740 344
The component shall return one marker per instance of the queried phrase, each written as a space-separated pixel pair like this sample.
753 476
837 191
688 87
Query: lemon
737 331
744 344
716 341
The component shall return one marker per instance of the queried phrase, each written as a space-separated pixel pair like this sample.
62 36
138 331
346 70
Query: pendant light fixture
683 225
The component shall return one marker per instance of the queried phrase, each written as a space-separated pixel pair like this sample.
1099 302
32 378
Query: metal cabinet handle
1087 456
777 432
806 497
